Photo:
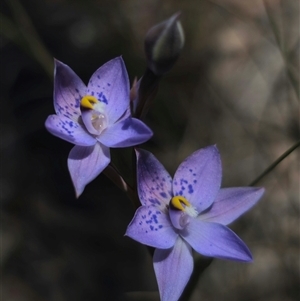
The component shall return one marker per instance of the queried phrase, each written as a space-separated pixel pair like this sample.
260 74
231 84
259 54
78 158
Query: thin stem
112 173
147 92
275 163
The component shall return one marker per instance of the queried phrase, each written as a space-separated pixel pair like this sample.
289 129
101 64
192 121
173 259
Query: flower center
93 114
181 212
181 203
99 121
88 102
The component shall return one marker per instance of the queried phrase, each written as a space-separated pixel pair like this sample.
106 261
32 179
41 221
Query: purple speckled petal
128 132
126 114
153 181
86 163
152 227
110 85
173 269
68 91
215 240
198 177
231 203
69 130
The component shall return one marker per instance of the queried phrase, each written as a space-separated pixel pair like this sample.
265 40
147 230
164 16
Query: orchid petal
126 114
153 181
110 85
69 130
230 203
125 133
173 268
152 227
198 177
215 240
86 163
68 91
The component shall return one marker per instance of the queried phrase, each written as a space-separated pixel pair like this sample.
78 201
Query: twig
275 163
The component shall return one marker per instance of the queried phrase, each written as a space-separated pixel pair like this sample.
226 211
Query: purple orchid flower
190 211
94 118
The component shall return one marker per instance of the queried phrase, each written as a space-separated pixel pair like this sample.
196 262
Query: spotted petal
173 268
110 85
86 163
152 227
231 203
68 91
215 240
69 130
125 133
153 181
198 178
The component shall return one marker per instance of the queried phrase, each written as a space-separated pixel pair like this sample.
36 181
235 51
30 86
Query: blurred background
236 85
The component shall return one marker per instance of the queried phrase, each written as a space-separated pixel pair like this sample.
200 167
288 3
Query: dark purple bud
163 45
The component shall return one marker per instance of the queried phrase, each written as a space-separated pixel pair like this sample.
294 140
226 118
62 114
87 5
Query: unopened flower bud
163 44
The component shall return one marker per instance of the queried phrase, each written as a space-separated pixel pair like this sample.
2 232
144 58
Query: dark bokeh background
236 84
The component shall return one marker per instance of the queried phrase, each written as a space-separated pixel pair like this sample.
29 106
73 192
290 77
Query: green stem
275 163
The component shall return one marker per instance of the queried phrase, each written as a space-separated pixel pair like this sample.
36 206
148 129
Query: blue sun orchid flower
94 118
187 212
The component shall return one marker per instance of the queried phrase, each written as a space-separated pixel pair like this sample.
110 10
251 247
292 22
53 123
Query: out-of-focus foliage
236 84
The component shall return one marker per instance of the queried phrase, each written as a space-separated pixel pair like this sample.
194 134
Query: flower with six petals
187 212
94 118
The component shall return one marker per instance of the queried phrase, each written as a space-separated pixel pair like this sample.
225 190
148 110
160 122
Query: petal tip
261 190
47 121
248 258
58 63
117 60
77 194
210 150
78 189
213 148
141 152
